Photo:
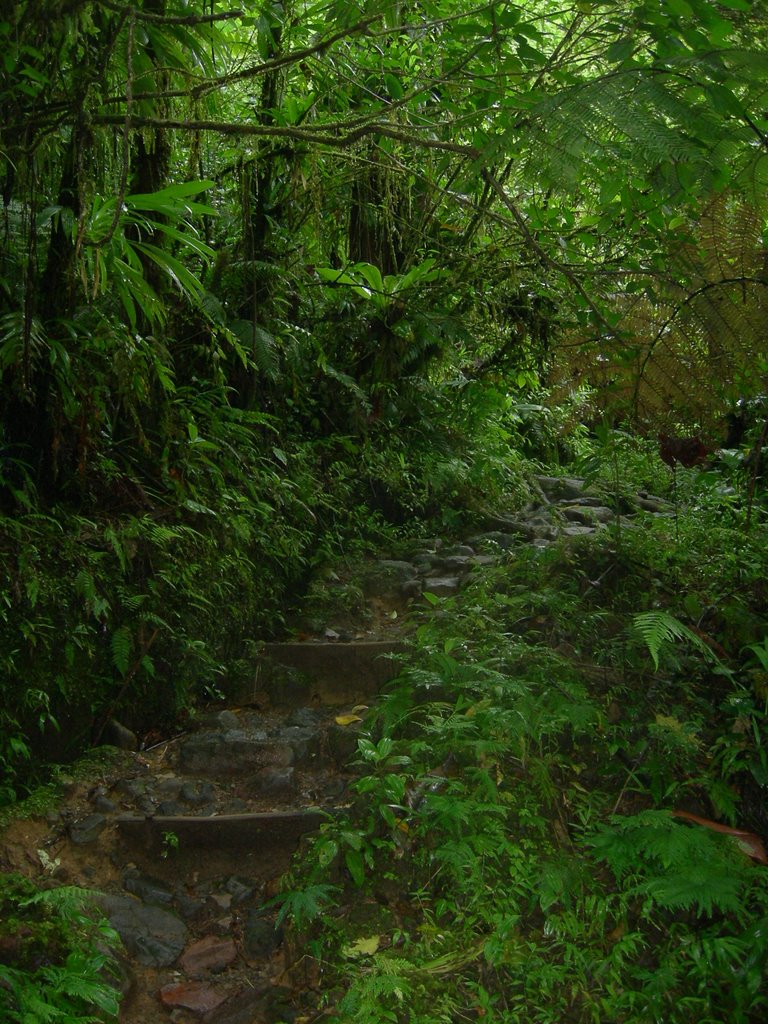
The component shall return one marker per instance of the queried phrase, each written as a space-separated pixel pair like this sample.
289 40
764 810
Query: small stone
454 563
260 936
212 953
87 830
104 805
304 718
191 995
240 889
149 890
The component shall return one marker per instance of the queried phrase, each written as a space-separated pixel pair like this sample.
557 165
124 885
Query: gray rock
650 503
304 718
104 805
454 563
155 937
578 531
170 807
240 889
148 890
169 787
588 515
87 830
260 936
558 487
442 586
304 742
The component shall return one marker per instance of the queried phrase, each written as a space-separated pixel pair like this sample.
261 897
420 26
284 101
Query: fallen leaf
362 947
750 843
347 719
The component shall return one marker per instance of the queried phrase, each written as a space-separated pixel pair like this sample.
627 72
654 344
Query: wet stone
240 889
441 586
87 829
260 936
577 531
154 936
304 718
170 807
149 890
197 793
558 487
210 954
194 996
104 805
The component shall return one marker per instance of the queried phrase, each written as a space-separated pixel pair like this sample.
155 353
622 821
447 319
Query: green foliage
56 956
674 866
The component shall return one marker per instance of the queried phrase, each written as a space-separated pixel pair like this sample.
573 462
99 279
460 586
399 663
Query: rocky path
185 843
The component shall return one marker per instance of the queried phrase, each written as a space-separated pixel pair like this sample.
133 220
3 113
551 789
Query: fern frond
673 866
659 627
122 642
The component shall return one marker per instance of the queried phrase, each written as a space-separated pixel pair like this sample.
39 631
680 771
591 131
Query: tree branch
170 19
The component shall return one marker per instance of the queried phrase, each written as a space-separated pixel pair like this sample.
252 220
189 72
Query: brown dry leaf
750 843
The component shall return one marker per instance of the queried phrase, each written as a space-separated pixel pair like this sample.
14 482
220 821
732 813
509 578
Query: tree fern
659 627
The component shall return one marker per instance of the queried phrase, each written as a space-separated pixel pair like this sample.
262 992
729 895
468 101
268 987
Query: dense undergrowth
541 831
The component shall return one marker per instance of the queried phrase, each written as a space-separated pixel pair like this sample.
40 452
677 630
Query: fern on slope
659 627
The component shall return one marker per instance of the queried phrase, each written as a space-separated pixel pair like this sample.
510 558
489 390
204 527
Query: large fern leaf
659 627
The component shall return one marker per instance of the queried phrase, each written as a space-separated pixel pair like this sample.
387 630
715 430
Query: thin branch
282 61
543 255
171 19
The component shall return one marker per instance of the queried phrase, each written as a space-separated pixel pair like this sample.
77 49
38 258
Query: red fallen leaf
688 451
750 843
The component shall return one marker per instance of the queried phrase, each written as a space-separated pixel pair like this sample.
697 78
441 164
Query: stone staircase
186 843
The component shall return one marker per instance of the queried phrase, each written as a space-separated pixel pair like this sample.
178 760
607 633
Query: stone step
263 829
294 674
